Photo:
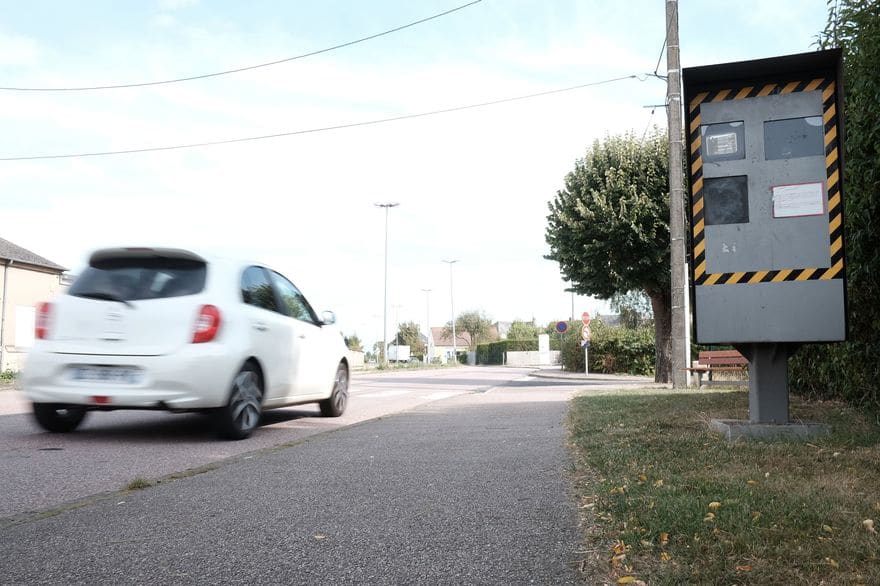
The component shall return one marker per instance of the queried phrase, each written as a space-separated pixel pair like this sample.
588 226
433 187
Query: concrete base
735 429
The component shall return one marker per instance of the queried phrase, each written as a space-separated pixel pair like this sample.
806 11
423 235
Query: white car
158 328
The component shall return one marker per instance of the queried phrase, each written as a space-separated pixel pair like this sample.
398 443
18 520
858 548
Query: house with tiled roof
26 279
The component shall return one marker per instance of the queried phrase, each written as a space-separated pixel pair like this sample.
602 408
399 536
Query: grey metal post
676 194
452 306
768 380
383 356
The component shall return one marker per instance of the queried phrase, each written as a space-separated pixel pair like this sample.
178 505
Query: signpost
561 327
585 342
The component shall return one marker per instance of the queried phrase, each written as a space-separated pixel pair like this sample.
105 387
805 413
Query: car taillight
44 311
207 324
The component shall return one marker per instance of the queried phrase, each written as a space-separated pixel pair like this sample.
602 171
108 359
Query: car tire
334 406
58 418
241 415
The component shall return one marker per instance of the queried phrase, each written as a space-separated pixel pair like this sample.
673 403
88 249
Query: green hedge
851 371
612 350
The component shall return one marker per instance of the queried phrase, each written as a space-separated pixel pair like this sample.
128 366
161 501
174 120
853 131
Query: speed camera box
766 199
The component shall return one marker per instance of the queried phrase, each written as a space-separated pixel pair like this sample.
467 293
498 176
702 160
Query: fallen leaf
755 516
751 482
710 517
836 454
868 524
618 559
646 543
664 538
744 568
643 478
626 580
832 563
618 548
665 557
714 506
658 483
827 529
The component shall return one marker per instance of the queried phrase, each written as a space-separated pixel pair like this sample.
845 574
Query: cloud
18 51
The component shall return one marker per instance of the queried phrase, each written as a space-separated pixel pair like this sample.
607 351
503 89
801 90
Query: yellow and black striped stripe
835 217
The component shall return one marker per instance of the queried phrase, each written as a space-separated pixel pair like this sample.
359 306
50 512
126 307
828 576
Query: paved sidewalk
555 372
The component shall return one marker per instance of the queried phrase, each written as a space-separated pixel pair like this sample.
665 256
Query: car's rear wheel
241 415
335 405
58 418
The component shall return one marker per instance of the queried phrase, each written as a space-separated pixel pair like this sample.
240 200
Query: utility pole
383 358
452 306
676 196
429 337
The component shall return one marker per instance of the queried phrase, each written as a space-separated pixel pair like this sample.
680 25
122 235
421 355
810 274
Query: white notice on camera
804 199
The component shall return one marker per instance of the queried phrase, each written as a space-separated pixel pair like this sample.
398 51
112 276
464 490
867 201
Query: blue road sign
561 326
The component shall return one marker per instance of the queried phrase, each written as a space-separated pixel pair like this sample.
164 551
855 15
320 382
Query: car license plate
107 374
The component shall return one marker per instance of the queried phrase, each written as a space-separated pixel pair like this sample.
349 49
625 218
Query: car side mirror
328 318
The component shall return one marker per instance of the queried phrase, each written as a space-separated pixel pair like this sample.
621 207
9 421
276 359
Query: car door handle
261 327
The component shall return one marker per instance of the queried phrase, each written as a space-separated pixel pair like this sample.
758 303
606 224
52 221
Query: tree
851 370
410 335
354 343
609 228
523 330
633 307
475 323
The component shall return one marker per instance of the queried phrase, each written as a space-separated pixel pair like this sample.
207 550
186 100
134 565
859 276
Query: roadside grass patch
666 501
138 483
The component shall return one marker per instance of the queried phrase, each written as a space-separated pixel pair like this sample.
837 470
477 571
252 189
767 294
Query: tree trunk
662 306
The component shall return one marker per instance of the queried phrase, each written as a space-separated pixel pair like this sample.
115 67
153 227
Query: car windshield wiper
105 297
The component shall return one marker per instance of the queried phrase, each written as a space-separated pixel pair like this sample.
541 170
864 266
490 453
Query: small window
726 200
295 304
256 289
725 141
794 138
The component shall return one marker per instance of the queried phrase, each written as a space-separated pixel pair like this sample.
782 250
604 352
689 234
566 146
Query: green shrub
851 371
612 350
8 375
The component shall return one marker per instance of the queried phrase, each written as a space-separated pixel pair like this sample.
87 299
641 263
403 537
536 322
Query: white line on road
381 394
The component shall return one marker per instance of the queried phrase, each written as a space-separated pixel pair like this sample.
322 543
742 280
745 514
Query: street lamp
428 353
452 306
384 359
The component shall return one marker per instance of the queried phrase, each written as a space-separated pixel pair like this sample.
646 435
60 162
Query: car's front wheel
334 406
241 415
58 418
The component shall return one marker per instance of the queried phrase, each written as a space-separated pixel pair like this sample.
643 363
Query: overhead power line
240 69
324 128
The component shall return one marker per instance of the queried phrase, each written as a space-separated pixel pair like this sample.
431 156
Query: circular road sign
561 326
586 318
585 333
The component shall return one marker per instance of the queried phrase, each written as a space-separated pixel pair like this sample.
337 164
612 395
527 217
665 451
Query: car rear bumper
197 377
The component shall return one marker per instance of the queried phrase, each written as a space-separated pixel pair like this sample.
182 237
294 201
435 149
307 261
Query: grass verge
666 501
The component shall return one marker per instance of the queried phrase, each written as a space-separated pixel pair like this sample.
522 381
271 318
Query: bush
612 350
8 375
493 352
851 370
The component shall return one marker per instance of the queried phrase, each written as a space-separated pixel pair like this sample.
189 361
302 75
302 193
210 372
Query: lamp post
428 354
452 306
384 359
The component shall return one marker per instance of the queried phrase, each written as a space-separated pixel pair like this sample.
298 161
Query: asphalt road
466 488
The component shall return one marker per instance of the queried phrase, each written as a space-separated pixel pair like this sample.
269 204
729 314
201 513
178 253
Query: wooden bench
719 360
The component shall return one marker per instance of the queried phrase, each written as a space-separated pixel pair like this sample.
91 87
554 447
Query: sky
473 185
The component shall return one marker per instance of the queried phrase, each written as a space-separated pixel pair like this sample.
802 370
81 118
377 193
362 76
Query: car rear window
137 279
